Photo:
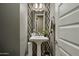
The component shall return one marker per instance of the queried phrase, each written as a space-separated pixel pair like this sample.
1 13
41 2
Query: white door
67 29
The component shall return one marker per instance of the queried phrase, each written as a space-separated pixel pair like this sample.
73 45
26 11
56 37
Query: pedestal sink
38 40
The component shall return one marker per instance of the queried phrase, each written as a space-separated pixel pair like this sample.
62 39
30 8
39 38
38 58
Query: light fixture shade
35 5
38 6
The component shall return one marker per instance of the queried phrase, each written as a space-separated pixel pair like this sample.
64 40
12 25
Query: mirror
39 23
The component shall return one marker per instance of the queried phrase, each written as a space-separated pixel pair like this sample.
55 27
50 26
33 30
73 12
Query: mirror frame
43 21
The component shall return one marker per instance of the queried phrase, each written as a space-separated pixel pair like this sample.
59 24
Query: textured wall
30 26
30 20
45 45
9 29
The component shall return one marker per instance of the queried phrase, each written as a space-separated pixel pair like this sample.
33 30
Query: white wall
23 29
52 10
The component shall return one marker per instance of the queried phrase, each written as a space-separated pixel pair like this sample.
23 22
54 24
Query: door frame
57 5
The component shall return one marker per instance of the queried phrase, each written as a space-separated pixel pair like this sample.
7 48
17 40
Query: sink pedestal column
39 48
38 40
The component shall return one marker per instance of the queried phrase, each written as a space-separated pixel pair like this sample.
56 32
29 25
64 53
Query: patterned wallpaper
29 20
45 46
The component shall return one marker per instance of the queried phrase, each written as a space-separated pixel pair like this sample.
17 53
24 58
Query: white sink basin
38 40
